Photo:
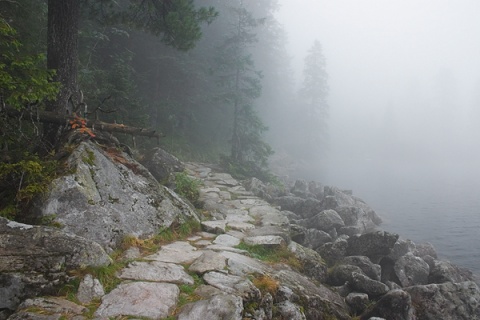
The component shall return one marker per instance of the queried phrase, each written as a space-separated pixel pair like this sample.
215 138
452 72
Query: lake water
437 206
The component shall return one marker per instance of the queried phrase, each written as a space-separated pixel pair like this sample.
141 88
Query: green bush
23 180
187 187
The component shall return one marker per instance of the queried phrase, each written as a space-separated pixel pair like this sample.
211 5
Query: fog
404 78
404 100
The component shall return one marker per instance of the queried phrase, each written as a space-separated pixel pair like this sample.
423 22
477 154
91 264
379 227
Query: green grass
272 255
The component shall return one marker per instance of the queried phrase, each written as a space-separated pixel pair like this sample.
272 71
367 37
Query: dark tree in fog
313 99
240 84
177 22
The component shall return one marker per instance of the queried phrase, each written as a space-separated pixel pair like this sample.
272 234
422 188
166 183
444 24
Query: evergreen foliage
213 76
21 181
240 84
23 77
314 106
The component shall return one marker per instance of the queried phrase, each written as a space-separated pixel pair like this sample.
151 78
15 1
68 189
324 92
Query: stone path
152 284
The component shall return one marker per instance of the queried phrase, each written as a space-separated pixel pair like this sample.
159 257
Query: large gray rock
303 207
89 289
318 301
180 252
46 308
325 221
401 248
300 189
370 269
162 164
241 265
232 284
289 310
34 260
358 302
208 261
265 241
373 288
108 195
374 245
340 274
411 270
156 271
333 251
218 307
447 301
395 305
139 299
313 264
310 238
425 249
365 215
445 271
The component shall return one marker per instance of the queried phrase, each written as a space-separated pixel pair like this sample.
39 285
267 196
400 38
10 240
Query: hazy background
404 102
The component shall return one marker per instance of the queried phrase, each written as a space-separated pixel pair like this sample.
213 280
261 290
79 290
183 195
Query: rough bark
62 56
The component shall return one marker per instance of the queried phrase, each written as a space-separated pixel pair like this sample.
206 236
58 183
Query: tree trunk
62 56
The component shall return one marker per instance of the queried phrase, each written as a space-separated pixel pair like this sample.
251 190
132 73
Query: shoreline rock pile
348 268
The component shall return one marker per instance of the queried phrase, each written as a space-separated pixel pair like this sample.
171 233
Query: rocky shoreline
344 266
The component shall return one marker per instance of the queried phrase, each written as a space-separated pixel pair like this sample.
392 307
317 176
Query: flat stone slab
156 271
237 234
206 235
241 265
218 307
55 307
241 226
211 189
216 247
270 231
227 240
238 215
269 241
225 195
214 226
208 261
203 243
229 283
194 238
275 219
180 252
261 210
139 299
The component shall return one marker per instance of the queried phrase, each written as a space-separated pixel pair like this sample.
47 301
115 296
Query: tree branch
52 117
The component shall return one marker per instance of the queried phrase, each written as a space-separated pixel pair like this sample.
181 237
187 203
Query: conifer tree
313 101
241 86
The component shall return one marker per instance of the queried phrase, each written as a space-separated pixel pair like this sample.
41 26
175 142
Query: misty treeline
222 93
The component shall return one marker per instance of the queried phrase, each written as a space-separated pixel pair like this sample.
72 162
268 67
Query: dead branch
52 117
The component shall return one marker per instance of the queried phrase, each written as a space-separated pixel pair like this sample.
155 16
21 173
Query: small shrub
266 283
22 181
187 187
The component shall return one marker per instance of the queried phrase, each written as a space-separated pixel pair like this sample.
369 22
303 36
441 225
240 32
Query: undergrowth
272 255
187 187
22 180
165 235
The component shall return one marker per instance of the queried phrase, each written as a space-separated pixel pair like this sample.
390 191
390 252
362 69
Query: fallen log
52 117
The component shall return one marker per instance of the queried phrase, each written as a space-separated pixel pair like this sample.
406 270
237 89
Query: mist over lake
404 112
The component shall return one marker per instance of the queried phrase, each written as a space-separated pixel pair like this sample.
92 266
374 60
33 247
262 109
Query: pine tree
313 99
241 86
